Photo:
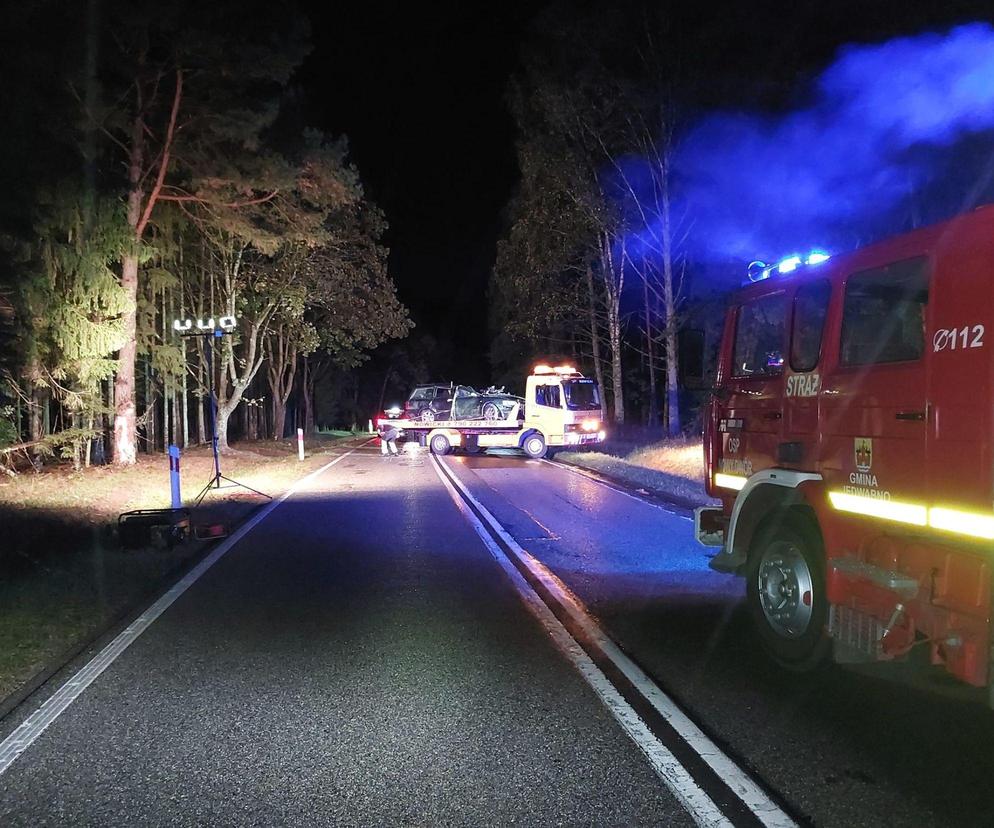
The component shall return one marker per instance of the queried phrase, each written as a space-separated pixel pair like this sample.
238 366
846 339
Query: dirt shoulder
671 469
64 579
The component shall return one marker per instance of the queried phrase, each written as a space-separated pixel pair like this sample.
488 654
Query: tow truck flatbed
465 426
561 409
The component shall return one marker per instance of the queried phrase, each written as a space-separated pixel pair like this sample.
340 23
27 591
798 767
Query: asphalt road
358 659
874 745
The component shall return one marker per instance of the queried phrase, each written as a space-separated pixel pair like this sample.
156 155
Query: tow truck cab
563 405
849 440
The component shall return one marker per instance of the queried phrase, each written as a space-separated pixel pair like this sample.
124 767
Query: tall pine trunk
125 448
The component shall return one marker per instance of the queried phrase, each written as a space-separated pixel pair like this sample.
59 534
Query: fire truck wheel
534 446
440 444
786 590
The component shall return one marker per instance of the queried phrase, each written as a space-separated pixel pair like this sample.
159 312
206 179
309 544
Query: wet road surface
360 658
870 745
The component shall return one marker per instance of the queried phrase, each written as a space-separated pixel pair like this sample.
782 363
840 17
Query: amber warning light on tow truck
559 369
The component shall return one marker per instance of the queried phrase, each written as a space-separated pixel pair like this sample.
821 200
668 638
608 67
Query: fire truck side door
960 463
753 410
802 383
873 406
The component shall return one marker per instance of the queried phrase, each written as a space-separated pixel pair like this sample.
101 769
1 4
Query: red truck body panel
894 412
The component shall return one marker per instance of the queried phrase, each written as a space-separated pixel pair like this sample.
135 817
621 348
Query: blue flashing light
790 264
759 270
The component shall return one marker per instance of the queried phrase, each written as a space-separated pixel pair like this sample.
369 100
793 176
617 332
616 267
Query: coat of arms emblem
864 453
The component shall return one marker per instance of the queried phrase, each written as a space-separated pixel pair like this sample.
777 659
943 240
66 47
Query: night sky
419 90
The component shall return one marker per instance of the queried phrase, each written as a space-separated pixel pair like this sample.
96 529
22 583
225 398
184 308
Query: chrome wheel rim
490 412
439 445
534 446
786 589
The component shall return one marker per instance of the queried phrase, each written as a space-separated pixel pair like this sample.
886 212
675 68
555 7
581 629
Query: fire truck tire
440 444
786 591
534 446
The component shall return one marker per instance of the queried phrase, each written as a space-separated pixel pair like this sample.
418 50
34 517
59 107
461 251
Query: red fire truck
850 442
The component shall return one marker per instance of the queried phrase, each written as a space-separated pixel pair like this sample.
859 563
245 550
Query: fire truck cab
849 440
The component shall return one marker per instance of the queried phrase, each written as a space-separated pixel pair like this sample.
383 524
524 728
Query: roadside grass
63 576
671 468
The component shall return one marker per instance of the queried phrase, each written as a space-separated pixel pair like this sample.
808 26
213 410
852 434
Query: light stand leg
215 481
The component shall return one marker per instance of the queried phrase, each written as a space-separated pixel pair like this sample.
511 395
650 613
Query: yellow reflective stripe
877 507
729 481
973 524
964 523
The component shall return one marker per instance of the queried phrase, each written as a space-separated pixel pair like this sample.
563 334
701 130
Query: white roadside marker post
300 443
177 501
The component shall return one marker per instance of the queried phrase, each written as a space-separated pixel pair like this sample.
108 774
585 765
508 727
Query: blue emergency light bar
758 271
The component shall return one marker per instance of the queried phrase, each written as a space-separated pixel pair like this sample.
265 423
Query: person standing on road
388 440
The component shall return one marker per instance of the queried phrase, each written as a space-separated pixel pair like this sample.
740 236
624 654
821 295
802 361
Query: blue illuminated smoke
892 137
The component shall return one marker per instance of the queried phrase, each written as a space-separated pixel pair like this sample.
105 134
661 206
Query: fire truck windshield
581 395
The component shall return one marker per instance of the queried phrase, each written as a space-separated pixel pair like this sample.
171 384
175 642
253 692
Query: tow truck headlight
591 425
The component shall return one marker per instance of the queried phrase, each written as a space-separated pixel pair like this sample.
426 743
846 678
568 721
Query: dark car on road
437 401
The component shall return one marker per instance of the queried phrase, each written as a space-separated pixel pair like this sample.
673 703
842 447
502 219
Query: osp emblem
863 449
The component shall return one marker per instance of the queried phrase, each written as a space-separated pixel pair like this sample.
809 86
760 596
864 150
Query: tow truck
562 409
850 440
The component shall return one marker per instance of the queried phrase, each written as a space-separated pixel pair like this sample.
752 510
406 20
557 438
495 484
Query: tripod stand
215 481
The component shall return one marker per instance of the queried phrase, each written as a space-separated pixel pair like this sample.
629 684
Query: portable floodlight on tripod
208 333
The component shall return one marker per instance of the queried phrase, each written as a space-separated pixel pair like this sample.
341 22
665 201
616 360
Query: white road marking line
752 796
584 473
680 783
32 727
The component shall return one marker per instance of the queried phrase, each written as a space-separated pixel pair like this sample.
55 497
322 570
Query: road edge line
28 731
755 799
677 779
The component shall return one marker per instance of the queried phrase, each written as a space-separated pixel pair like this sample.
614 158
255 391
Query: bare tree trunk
669 307
383 388
150 427
37 414
125 440
595 339
281 368
185 403
653 416
279 418
222 427
307 395
138 213
613 283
